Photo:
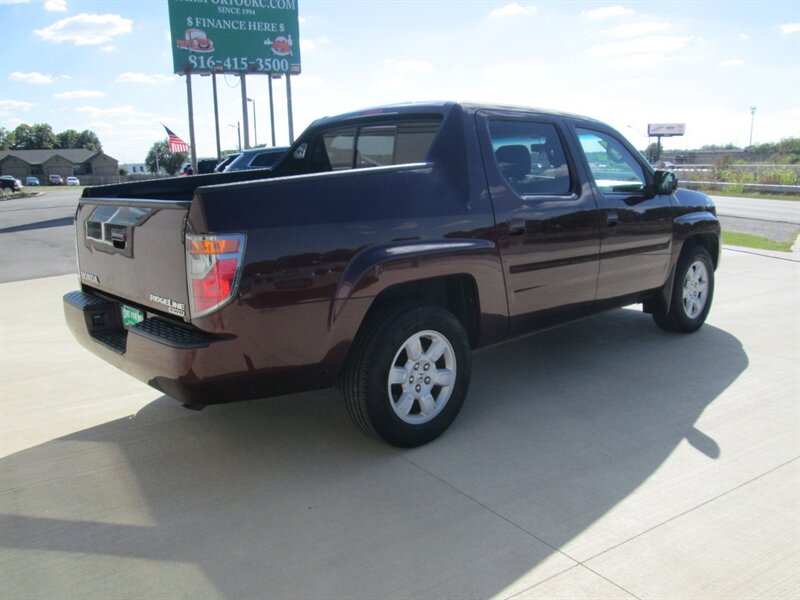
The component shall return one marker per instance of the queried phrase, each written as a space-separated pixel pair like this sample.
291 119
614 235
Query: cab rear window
367 146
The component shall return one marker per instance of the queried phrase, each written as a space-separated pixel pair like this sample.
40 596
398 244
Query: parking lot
603 459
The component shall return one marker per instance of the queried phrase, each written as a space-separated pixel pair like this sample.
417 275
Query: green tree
34 137
6 139
88 139
67 139
73 139
168 161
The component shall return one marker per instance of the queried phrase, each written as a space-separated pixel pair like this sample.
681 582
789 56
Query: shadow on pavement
285 498
63 222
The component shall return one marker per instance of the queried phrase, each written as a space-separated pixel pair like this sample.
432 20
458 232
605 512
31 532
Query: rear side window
531 157
367 146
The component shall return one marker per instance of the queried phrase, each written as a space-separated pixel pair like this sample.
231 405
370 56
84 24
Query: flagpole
245 120
289 104
216 114
191 121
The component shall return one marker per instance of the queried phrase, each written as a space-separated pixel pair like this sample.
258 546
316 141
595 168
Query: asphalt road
778 211
37 237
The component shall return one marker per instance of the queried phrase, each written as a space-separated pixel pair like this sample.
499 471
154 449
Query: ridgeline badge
173 306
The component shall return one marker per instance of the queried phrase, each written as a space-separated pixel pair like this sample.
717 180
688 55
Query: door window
613 167
530 157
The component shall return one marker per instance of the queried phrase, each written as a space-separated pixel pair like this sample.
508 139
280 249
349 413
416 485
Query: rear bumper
194 367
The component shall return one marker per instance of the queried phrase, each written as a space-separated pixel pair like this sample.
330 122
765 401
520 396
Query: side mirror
665 183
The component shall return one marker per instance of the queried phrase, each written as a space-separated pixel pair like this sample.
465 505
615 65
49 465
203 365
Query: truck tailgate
134 249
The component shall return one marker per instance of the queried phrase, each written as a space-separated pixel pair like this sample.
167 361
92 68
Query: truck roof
443 107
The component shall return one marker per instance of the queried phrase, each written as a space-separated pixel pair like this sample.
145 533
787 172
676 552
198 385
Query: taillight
213 265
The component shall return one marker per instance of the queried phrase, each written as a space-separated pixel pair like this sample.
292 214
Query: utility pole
752 119
255 123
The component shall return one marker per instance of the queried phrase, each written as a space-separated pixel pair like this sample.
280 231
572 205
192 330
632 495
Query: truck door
547 221
636 227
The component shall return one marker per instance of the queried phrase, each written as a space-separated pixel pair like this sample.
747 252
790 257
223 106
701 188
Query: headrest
514 161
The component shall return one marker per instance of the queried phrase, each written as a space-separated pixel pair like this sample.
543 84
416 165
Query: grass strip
747 240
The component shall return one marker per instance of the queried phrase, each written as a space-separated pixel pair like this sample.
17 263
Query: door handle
516 226
612 218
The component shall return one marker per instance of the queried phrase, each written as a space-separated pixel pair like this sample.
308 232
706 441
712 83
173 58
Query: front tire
692 292
408 374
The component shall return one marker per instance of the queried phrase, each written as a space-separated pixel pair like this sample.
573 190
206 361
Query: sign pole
271 110
245 121
191 121
289 105
216 115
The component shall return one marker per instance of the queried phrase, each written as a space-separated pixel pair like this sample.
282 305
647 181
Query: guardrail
745 187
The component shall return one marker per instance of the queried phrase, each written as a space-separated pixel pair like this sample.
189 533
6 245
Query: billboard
235 36
666 129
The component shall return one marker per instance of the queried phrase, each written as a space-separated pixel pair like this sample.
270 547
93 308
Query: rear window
367 146
266 159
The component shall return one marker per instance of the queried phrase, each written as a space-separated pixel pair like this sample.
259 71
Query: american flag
175 144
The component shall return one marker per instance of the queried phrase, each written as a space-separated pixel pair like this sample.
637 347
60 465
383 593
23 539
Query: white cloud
114 111
515 9
66 77
744 36
144 78
511 71
86 29
636 29
56 5
32 77
79 94
108 48
14 1
11 106
606 12
790 28
409 66
643 45
307 45
734 62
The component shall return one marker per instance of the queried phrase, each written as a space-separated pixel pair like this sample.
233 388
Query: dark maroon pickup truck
383 248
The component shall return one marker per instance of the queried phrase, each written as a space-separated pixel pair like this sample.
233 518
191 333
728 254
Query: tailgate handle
119 238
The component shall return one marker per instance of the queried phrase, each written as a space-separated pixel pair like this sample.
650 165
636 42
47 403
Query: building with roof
90 166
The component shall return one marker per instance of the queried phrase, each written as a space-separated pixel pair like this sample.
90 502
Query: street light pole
238 133
255 123
752 118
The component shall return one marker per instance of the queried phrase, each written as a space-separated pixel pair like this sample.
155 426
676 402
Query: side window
339 147
375 146
614 169
531 157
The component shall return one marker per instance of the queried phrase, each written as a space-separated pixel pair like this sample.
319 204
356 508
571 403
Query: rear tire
408 374
692 292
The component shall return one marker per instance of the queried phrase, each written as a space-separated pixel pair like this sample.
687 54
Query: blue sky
107 66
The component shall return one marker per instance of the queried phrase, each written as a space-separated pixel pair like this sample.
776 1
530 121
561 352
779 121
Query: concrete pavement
604 459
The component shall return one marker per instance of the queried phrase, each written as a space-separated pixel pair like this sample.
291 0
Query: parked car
225 162
31 181
56 180
73 181
384 247
9 182
256 158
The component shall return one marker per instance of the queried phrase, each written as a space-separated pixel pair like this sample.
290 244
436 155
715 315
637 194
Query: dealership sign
666 129
235 36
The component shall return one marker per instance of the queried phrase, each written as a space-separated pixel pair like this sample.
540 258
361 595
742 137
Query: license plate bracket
131 316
